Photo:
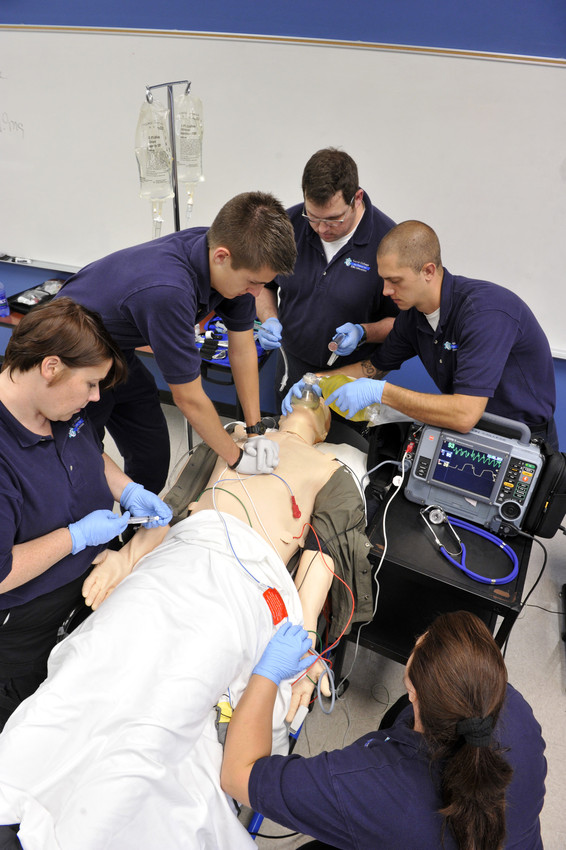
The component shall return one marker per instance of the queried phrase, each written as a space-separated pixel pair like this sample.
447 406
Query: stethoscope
434 515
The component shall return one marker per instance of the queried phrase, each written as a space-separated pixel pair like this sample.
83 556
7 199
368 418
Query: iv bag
188 138
153 152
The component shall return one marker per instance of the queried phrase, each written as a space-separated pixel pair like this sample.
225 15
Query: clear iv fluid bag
153 152
188 138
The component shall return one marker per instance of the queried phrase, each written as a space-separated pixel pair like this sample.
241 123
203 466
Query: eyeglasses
331 222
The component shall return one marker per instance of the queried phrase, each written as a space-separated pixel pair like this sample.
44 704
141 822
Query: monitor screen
467 467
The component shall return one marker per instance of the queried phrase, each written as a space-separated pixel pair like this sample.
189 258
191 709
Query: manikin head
310 423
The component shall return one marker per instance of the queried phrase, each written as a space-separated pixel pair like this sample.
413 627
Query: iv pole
170 102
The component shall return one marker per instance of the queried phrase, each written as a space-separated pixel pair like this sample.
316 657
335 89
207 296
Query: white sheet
118 749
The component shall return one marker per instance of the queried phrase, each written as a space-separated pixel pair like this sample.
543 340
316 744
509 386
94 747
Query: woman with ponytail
458 764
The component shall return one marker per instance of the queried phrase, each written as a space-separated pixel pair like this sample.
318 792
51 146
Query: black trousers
28 633
132 414
8 837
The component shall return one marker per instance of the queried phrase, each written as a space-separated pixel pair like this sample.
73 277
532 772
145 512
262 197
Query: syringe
141 520
336 340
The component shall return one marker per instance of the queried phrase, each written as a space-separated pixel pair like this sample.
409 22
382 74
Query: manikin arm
111 567
313 580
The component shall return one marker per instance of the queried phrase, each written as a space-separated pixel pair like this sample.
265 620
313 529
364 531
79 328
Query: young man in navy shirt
154 294
335 286
479 342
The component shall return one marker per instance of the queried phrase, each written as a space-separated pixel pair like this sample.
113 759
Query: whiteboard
475 146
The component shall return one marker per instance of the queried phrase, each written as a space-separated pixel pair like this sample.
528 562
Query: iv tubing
156 209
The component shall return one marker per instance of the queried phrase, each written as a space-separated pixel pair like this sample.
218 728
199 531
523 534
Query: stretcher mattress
118 749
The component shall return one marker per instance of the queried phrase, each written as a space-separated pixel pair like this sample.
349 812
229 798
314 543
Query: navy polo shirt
47 483
382 791
154 294
320 296
488 343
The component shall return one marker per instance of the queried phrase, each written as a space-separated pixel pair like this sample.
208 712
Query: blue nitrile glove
281 657
355 395
354 333
296 390
96 528
141 502
269 334
259 455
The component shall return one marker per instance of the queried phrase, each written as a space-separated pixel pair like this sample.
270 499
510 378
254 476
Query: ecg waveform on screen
476 458
467 468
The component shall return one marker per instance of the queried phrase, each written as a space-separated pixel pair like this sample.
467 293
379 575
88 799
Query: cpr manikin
125 721
267 500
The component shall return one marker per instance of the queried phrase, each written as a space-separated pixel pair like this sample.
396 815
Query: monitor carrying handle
505 427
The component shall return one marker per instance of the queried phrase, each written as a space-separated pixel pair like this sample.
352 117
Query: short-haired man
335 286
154 294
479 342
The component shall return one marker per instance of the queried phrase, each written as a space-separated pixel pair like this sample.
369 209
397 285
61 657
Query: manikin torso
267 498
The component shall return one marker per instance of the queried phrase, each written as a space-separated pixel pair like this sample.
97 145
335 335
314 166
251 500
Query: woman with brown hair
460 766
57 487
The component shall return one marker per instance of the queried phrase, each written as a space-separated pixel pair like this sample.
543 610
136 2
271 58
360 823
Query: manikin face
406 287
69 390
231 283
335 219
317 418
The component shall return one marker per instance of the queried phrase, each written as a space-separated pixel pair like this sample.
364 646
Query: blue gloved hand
281 658
96 528
269 334
296 390
353 334
141 502
259 455
355 395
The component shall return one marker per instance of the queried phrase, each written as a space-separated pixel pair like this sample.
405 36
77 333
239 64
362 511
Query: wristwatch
363 337
258 428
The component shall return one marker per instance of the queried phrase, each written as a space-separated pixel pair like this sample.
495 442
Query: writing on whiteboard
10 126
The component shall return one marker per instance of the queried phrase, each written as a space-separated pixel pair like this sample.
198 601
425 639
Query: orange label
275 604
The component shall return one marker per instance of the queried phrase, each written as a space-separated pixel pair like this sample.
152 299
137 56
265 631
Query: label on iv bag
189 133
275 604
153 152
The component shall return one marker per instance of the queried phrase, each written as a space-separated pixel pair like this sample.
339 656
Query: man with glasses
335 287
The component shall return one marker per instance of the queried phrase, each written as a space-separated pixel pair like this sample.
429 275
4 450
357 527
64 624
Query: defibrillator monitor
480 476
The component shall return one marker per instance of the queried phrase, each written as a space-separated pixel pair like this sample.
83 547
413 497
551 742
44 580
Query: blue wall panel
525 27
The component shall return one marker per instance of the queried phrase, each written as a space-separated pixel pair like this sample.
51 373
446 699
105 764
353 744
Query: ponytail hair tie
476 731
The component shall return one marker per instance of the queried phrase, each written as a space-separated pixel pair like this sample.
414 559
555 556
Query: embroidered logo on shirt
76 426
356 264
451 346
